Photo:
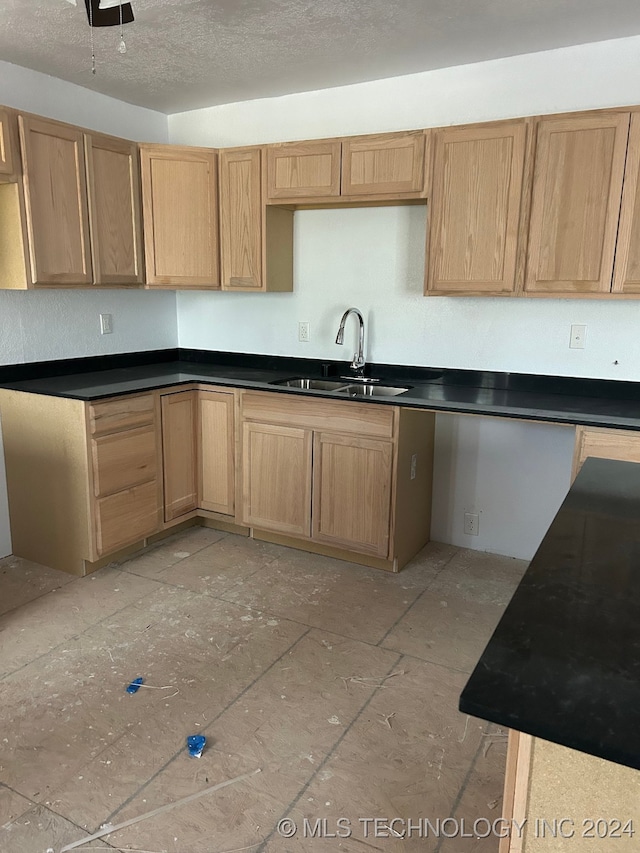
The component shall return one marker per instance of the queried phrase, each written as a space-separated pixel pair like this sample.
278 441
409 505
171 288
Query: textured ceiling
185 54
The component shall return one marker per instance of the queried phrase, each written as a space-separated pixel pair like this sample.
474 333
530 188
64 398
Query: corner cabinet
179 453
475 235
342 478
256 241
55 198
577 191
113 183
180 210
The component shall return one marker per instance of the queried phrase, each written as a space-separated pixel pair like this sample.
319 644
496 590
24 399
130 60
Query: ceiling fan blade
108 17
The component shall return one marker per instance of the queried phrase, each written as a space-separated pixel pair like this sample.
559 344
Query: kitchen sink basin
311 384
371 391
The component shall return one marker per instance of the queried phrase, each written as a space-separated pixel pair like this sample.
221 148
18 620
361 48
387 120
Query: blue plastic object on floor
195 745
135 685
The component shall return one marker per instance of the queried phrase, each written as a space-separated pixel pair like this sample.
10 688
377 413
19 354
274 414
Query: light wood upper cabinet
475 208
216 451
256 241
55 193
241 219
7 157
392 164
352 492
113 181
276 478
626 276
179 453
577 190
180 207
303 169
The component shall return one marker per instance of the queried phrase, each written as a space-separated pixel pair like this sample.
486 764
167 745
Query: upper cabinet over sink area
384 167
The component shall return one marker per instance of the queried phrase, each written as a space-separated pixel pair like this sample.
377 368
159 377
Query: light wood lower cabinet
605 444
352 492
276 478
179 453
124 443
216 451
83 478
338 477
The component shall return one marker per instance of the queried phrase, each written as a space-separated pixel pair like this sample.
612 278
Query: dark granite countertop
546 398
564 662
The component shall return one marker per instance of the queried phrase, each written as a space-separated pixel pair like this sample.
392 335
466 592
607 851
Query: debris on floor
135 685
195 745
108 829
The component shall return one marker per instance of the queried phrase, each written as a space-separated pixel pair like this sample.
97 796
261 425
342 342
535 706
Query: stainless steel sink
311 384
371 391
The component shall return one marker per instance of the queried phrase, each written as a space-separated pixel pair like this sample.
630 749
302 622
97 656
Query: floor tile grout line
327 757
213 720
33 804
75 636
417 598
270 614
463 788
36 598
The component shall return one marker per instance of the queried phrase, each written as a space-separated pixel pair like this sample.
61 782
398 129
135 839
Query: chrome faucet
358 357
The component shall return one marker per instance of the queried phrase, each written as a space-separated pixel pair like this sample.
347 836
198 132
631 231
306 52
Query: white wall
515 475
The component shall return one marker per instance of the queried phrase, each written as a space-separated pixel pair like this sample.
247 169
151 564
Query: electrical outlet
303 331
414 465
471 523
578 336
106 324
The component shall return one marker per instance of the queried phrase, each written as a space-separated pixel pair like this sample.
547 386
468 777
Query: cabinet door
626 276
276 478
303 170
352 492
389 164
577 189
56 202
180 211
6 147
241 219
475 209
216 483
179 453
113 181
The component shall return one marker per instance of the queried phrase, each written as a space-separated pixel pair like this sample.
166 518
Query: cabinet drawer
126 517
121 413
334 415
123 460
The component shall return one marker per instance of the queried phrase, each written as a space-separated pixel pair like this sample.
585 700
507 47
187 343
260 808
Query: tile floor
339 683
